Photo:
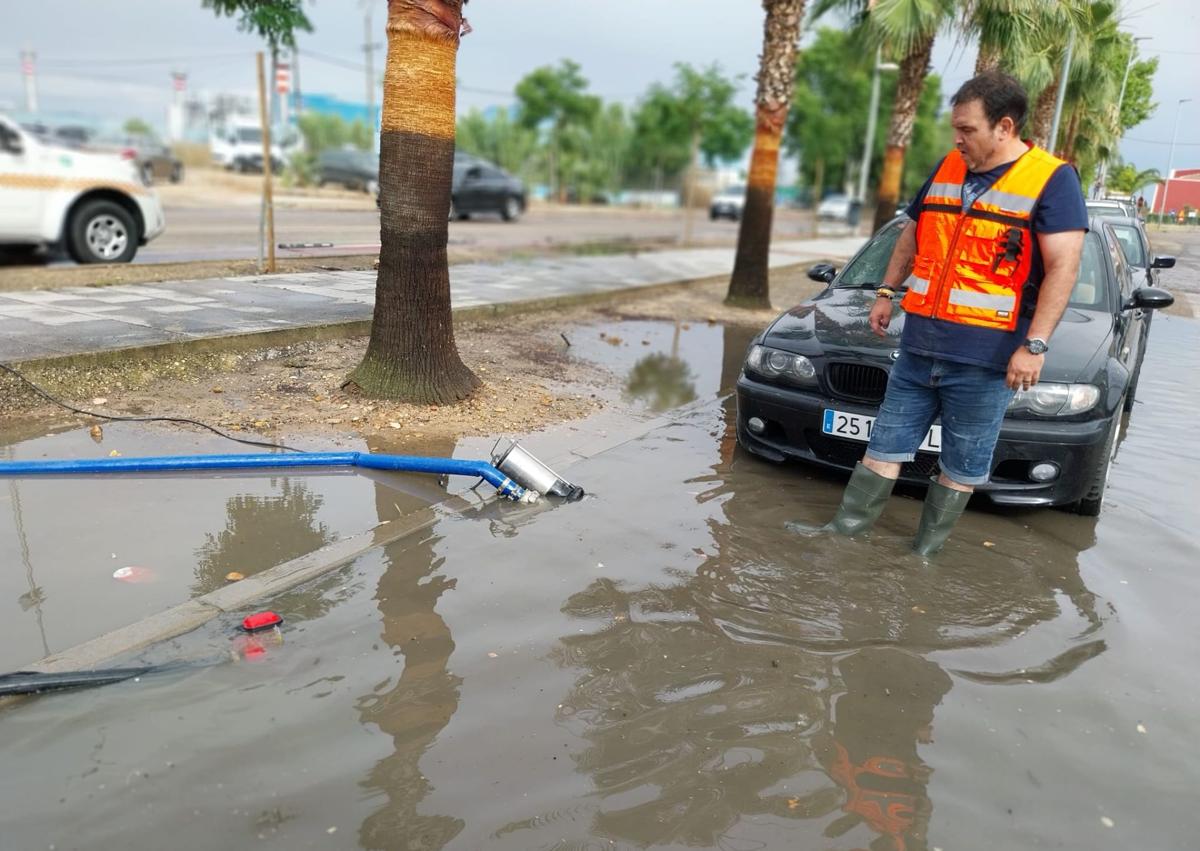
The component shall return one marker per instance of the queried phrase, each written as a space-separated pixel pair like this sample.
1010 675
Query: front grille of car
847 453
857 381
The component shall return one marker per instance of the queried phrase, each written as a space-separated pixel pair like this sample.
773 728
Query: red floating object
261 620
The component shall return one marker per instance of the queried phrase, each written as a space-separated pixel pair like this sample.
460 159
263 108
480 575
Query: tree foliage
325 132
828 119
1126 179
274 21
558 130
137 127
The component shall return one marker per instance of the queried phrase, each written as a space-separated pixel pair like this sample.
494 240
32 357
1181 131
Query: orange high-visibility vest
972 265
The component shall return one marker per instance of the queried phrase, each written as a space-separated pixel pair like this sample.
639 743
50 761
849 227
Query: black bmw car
814 378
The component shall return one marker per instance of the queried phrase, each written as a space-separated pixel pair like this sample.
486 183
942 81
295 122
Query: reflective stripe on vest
972 264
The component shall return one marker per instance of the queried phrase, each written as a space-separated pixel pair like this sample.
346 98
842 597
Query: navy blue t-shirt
1060 208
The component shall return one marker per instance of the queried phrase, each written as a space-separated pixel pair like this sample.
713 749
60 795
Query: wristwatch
1036 346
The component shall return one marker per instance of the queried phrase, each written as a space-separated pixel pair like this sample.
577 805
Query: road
230 232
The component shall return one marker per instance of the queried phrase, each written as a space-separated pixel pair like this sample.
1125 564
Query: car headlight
1056 400
775 365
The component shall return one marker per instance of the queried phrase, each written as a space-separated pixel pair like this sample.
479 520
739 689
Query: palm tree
908 28
749 285
998 25
1037 59
411 354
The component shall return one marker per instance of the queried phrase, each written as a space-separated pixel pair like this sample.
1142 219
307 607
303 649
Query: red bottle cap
261 620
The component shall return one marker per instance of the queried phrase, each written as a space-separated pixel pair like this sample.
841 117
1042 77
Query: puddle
662 665
166 537
666 365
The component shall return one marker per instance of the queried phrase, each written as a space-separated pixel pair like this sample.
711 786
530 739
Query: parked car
840 208
814 378
1135 244
239 146
482 187
352 168
154 159
728 203
1110 207
94 205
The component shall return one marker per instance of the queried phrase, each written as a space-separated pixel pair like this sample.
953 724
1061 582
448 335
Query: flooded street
660 665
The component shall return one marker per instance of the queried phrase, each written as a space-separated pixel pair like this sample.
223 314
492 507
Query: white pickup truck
96 206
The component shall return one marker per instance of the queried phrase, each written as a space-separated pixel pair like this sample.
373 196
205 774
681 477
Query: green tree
137 127
325 132
274 21
907 28
696 115
499 139
1126 179
658 154
557 97
749 285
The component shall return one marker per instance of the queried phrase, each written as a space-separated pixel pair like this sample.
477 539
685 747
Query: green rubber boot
862 502
943 507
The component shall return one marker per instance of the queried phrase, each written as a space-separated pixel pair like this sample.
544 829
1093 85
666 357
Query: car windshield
249 134
733 191
1091 286
1131 244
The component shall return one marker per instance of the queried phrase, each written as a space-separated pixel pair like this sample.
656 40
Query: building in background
1181 191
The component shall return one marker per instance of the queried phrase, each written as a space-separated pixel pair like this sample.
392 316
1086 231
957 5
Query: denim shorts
971 401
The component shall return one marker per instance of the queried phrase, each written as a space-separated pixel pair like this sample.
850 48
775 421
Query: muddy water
662 666
169 537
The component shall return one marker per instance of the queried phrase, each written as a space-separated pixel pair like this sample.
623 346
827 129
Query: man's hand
881 316
1024 369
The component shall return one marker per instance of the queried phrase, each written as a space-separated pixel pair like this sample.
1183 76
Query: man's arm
898 269
1060 256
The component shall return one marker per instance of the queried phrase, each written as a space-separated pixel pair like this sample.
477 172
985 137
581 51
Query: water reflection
419 705
663 381
792 681
260 532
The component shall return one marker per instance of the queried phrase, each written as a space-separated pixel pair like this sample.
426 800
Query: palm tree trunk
749 286
412 355
1043 114
913 69
988 59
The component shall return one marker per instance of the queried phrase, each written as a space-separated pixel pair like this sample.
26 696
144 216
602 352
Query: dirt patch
530 377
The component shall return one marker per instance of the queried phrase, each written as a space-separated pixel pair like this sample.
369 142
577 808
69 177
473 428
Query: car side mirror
1149 298
1163 262
822 273
474 173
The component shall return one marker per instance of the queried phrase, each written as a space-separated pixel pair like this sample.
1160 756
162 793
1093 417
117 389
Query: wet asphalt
660 665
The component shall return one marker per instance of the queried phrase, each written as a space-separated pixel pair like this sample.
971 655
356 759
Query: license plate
858 427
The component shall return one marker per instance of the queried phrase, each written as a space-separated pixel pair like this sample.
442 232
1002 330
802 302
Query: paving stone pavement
38 324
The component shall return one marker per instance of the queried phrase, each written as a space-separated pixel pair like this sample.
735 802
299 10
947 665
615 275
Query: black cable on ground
214 430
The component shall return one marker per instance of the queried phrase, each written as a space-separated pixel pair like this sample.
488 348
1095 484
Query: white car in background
96 206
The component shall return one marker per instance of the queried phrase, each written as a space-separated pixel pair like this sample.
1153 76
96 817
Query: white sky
92 56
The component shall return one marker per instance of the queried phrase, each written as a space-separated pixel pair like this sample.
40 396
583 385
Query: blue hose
505 486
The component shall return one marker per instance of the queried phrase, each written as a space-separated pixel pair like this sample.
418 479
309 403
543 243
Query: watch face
1036 347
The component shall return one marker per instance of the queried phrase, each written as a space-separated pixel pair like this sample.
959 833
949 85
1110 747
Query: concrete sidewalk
42 324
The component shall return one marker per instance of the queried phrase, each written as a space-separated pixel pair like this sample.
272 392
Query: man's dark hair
1000 95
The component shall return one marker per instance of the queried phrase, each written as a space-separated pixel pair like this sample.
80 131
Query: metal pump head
522 467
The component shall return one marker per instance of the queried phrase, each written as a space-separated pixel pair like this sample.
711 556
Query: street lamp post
869 142
1171 159
1052 142
1120 100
